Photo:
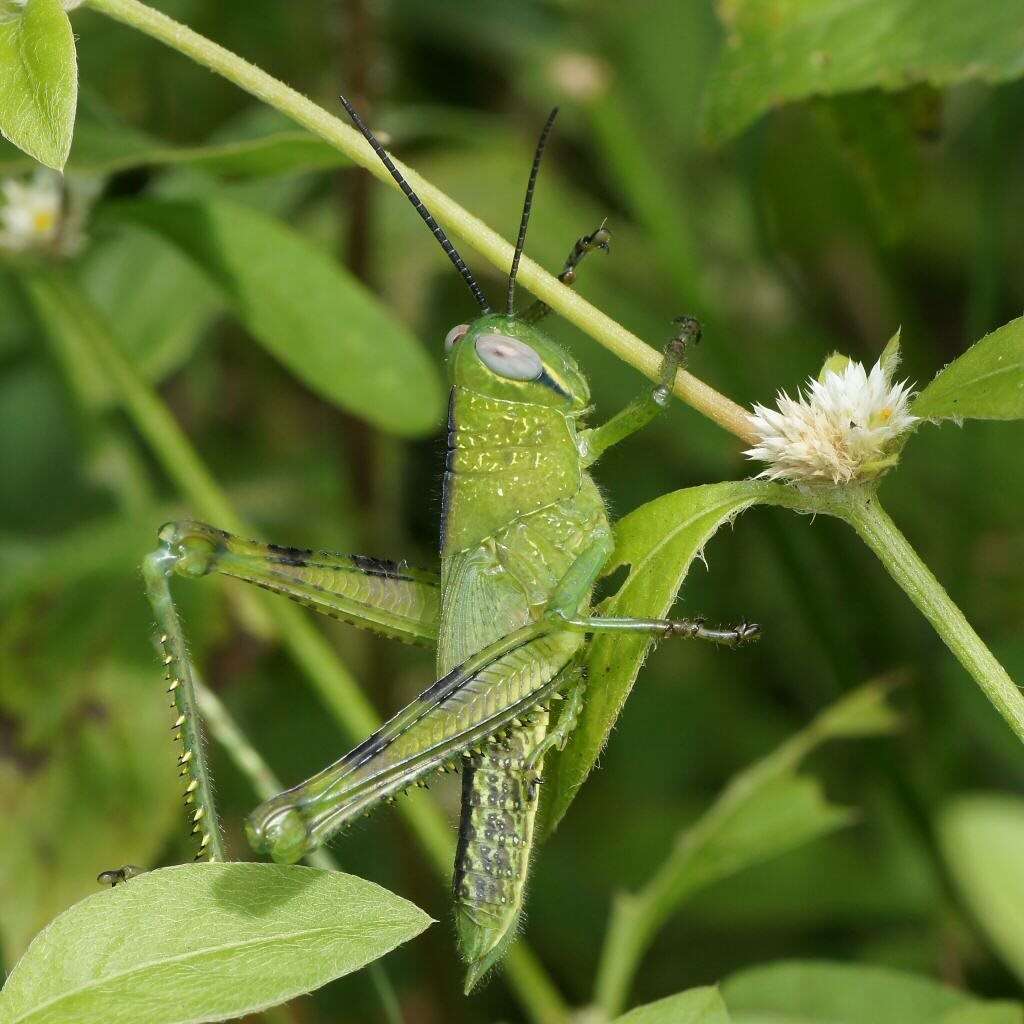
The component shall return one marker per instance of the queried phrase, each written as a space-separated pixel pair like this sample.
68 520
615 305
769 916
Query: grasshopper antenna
527 207
436 230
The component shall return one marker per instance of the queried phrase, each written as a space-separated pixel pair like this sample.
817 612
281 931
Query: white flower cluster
839 429
30 217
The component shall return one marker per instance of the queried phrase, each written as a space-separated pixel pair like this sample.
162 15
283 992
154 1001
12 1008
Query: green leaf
204 942
819 992
982 837
259 143
38 81
695 1006
754 820
765 810
836 363
657 543
775 53
986 382
103 148
891 357
159 299
305 309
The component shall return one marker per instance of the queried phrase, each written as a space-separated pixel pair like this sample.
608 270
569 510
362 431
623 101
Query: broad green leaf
305 309
101 148
695 1006
819 992
157 297
775 52
256 144
657 543
204 942
38 80
982 837
986 382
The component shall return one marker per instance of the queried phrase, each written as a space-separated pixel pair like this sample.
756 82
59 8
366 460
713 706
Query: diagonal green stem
626 345
60 303
863 511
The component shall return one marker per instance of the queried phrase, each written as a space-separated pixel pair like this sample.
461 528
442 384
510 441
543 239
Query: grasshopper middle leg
650 405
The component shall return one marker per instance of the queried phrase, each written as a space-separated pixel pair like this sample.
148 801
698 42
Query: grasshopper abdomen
500 791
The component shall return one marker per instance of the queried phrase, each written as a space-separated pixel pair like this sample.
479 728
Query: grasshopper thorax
515 403
506 358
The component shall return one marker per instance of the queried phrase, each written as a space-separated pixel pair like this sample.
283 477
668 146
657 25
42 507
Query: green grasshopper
524 537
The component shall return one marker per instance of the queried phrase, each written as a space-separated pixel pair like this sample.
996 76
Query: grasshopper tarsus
690 329
741 635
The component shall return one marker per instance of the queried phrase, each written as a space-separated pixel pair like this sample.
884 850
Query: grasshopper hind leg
197 789
390 598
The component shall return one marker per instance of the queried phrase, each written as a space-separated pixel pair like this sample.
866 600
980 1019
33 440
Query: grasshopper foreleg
594 443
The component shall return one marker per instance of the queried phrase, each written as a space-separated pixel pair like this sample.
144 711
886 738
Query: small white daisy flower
839 429
30 216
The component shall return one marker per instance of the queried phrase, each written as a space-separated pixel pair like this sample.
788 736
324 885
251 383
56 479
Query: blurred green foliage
823 227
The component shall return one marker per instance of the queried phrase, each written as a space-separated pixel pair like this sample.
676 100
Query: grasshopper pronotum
524 536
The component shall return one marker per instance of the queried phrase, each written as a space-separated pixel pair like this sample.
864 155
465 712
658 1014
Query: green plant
239 252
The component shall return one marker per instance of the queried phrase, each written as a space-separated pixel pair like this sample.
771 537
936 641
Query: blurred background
826 224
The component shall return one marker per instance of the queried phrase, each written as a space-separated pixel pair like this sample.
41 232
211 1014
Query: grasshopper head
502 357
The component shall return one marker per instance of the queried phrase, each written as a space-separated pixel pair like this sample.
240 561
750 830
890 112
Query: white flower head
841 428
30 217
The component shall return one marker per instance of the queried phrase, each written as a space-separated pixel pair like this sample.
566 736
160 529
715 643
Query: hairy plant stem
603 329
861 508
59 300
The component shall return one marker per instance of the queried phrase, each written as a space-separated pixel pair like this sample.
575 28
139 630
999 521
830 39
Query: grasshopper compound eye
508 357
454 335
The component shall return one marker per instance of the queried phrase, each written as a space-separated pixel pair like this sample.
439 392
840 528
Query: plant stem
863 511
626 345
61 305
